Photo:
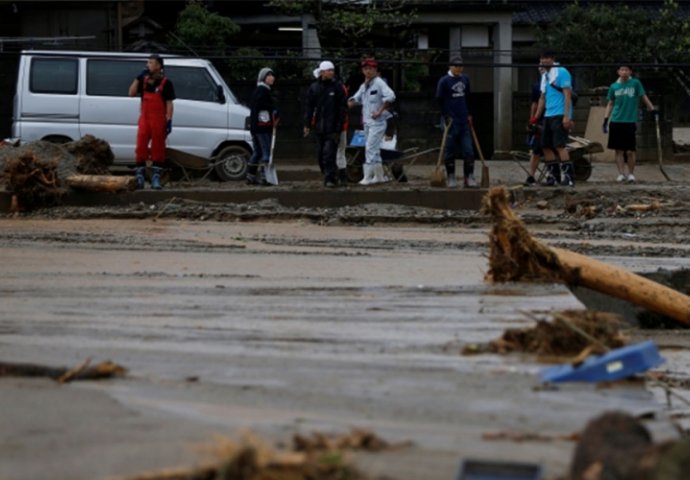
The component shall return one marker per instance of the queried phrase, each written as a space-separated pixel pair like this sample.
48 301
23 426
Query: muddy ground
286 320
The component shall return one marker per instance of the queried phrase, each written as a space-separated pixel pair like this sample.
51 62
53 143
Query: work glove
605 125
656 114
143 73
275 116
168 127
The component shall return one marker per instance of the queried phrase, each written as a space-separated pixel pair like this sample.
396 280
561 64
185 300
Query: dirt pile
568 334
33 180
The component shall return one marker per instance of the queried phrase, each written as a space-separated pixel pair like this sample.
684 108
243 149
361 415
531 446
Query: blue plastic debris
614 365
493 470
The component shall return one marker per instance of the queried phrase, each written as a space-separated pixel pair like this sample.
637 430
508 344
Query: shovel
484 182
270 171
438 175
658 146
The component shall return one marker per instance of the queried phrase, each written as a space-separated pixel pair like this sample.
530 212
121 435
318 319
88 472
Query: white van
63 95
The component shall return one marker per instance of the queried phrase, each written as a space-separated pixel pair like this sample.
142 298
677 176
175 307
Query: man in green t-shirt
624 100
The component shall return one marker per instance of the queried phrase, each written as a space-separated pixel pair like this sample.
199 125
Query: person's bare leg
533 163
631 161
619 162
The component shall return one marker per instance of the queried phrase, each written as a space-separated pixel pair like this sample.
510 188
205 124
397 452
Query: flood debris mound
314 457
84 371
617 445
517 256
560 337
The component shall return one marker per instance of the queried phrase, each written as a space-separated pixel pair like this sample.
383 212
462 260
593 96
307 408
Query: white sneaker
620 178
631 178
470 182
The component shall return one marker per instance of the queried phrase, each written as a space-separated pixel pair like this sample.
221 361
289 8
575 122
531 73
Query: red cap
370 62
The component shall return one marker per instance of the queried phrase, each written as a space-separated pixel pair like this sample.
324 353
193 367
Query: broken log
101 183
100 371
515 255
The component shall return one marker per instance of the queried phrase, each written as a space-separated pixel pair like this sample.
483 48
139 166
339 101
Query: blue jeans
262 148
459 145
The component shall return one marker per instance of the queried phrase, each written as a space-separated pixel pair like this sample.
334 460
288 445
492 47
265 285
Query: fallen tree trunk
84 371
101 183
515 255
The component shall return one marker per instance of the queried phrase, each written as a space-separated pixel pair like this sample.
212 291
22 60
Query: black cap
456 60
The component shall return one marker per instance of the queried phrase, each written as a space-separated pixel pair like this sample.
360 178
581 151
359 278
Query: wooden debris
356 439
101 183
643 207
100 371
516 256
251 458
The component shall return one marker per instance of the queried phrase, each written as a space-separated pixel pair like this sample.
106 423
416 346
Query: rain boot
342 177
140 175
379 174
156 178
368 174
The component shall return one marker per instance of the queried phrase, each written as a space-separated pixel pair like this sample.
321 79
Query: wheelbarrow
393 159
580 151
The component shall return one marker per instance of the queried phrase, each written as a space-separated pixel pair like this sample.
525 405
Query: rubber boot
342 177
368 174
140 175
379 174
156 178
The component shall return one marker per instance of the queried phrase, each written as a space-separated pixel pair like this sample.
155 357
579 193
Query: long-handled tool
438 177
484 182
658 146
270 171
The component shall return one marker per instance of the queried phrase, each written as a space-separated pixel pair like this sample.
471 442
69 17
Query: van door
49 103
107 110
200 122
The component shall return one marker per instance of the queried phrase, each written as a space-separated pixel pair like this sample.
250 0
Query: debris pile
314 457
92 155
37 172
560 337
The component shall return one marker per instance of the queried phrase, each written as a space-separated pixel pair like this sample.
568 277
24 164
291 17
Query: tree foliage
199 29
602 33
350 22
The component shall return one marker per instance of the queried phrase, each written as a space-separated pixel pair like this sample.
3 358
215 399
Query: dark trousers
459 145
261 154
327 150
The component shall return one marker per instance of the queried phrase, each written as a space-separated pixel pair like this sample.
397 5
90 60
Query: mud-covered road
282 320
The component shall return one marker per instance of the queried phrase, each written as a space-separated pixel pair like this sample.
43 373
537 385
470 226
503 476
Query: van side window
111 78
53 75
192 83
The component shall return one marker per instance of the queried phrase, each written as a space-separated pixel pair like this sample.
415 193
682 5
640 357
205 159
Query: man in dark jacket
262 116
325 112
452 93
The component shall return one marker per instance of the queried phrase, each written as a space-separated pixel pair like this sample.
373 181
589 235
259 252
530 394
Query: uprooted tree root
34 181
514 254
560 337
315 457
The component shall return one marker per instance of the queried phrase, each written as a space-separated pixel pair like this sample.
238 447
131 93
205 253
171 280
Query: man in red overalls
155 121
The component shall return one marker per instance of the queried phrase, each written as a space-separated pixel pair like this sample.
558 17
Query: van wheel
231 163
